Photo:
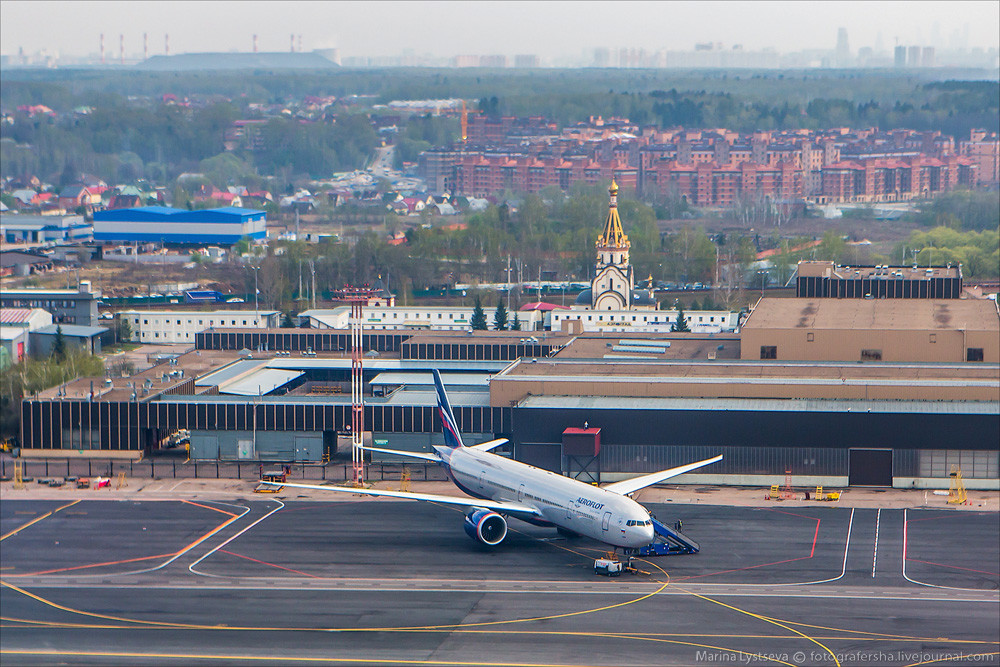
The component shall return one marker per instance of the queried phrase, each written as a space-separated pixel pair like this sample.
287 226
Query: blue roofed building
163 224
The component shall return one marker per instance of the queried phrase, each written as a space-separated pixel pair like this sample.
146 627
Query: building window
768 351
974 354
809 337
244 322
871 355
933 337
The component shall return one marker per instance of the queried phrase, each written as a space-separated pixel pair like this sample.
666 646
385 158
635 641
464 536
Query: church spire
613 236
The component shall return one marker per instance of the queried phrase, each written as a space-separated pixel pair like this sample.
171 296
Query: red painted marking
955 567
264 562
739 569
812 551
83 567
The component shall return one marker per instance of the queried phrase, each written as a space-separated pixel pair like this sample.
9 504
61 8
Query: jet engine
485 526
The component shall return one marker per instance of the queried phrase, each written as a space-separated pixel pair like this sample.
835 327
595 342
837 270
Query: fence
154 469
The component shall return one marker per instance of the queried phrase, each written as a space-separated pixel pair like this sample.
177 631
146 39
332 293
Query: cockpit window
633 522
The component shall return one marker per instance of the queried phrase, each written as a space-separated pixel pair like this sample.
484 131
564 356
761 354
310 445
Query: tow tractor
609 565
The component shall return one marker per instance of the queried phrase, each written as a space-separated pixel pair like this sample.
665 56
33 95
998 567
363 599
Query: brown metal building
890 330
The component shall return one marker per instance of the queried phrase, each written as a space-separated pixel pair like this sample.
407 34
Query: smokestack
102 48
166 44
300 44
293 43
145 46
121 48
255 43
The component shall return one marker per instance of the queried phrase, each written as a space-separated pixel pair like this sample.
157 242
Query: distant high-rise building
602 57
900 56
843 48
913 56
493 61
526 60
927 57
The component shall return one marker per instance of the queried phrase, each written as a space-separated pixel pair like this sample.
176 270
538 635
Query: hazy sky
543 27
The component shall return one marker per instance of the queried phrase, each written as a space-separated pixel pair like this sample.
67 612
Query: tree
500 317
680 325
286 321
123 330
478 321
59 344
515 324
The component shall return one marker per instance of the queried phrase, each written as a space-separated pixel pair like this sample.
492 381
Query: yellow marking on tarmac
207 507
274 659
748 613
34 521
976 657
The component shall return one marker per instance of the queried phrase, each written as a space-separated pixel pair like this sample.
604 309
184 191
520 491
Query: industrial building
181 326
77 306
162 224
816 279
866 330
659 400
35 229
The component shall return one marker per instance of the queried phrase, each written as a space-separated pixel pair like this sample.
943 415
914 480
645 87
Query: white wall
181 326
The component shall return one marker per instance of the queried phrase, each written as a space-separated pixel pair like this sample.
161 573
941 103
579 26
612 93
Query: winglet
452 437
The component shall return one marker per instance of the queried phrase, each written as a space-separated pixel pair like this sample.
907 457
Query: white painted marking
176 485
191 566
878 517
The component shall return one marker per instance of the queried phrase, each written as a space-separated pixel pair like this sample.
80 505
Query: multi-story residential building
984 149
712 167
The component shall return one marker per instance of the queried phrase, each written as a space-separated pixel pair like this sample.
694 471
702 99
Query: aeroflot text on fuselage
589 503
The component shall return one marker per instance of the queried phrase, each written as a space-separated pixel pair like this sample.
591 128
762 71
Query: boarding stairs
668 541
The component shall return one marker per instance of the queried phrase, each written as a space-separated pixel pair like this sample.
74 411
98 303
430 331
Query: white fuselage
561 501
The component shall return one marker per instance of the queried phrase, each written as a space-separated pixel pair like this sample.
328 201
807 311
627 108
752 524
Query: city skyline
559 32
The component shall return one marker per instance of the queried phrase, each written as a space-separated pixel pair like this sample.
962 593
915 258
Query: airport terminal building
163 224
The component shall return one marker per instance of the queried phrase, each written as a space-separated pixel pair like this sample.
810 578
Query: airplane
499 487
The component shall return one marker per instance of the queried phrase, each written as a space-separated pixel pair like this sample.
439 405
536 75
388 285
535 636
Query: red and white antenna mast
102 48
145 46
166 44
121 48
255 43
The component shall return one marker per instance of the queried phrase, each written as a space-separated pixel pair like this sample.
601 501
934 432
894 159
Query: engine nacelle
486 526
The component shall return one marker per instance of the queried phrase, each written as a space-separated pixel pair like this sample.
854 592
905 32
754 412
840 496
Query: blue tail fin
452 438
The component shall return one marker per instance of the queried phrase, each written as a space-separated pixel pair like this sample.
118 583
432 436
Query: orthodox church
613 286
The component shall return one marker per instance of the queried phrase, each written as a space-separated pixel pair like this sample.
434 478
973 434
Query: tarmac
199 571
222 489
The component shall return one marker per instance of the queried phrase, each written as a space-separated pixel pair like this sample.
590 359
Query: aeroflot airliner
500 487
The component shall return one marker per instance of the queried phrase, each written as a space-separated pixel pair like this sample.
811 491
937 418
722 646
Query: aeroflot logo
589 503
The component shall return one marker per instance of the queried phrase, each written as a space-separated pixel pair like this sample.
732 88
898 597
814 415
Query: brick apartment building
709 168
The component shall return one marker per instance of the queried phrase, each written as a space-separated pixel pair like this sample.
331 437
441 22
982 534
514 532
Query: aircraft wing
632 485
505 507
487 446
416 455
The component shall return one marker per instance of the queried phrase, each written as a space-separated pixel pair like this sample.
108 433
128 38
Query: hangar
284 394
164 224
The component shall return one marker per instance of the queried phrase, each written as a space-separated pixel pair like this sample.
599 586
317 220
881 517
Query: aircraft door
520 493
607 521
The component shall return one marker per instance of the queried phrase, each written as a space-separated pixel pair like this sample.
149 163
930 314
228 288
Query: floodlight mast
357 297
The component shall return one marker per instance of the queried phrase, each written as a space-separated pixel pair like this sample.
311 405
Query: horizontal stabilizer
632 485
487 446
415 455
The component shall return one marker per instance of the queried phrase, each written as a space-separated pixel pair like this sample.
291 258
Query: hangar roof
896 314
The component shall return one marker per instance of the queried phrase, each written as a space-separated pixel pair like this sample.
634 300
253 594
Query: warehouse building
162 224
894 330
828 280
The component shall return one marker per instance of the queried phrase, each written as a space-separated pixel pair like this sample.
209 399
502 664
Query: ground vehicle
608 566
